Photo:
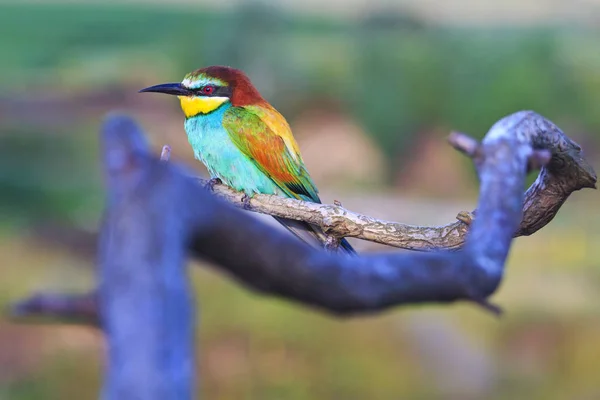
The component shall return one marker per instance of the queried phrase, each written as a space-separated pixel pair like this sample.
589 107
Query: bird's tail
312 234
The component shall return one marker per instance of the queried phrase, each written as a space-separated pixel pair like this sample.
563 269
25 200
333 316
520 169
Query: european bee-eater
244 141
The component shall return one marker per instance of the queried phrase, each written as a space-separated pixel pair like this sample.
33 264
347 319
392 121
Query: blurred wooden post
145 304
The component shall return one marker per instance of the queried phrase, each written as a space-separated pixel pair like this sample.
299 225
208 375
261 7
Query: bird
244 142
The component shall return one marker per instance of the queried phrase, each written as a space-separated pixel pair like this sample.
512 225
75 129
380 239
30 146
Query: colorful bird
244 141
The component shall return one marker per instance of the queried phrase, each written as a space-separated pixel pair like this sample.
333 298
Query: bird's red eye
208 89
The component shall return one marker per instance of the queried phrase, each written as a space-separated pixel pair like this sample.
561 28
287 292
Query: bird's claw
246 202
210 185
466 216
332 243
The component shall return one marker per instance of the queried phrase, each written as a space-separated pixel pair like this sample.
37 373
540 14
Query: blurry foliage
31 191
396 75
392 71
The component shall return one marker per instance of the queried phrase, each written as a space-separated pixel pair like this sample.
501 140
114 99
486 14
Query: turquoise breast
212 145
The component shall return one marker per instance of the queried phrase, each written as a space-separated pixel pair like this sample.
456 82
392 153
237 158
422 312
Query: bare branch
338 221
465 144
566 172
165 154
80 309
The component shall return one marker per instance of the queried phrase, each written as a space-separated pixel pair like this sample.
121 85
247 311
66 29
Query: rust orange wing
264 136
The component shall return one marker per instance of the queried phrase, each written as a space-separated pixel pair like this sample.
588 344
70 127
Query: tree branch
566 171
78 308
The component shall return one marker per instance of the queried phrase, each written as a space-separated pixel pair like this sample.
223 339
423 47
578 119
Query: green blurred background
371 90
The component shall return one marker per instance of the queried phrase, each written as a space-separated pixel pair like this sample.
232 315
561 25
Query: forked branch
563 171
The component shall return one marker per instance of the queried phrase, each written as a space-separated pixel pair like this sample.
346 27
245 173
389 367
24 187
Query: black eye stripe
219 91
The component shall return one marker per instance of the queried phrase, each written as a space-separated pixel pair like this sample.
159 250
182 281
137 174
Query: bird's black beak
176 89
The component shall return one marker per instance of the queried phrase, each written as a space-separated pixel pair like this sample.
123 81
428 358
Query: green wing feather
267 150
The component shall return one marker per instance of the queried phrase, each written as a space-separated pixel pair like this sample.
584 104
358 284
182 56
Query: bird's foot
332 243
210 185
246 202
165 154
466 216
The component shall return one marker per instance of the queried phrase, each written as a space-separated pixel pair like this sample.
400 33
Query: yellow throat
193 106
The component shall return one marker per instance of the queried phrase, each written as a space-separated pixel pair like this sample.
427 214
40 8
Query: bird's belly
213 146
